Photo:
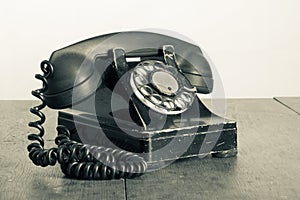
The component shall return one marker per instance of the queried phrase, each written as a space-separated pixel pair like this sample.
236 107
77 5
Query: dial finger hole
158 65
156 99
186 97
148 66
146 91
141 71
169 104
180 103
140 80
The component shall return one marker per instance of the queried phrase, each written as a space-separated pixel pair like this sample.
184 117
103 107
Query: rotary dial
161 87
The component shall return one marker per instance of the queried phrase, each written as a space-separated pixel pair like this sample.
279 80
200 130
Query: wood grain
267 166
20 179
292 103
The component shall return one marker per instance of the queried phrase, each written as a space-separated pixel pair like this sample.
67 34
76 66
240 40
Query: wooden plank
20 179
14 120
292 103
267 166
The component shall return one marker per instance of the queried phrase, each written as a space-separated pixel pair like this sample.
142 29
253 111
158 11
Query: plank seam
125 185
282 103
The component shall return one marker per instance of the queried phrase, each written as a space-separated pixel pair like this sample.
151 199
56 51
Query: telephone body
130 105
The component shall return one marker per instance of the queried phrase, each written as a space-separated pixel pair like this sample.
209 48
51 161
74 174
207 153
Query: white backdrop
254 44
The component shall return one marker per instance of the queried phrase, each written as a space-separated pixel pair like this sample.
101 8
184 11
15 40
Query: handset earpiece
197 70
193 65
72 71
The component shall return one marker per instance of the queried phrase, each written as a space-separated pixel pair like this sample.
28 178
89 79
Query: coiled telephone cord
78 160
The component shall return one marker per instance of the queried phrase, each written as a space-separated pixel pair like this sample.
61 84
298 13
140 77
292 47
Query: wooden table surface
267 165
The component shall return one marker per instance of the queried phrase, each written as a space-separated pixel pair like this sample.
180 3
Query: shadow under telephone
130 106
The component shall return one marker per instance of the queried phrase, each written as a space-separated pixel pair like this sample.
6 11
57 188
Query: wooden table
267 166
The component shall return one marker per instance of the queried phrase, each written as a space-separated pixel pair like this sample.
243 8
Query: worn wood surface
20 179
267 166
292 103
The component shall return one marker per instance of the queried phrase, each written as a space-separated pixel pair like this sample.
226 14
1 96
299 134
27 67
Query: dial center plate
165 82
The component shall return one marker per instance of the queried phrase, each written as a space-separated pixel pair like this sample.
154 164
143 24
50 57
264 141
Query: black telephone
129 106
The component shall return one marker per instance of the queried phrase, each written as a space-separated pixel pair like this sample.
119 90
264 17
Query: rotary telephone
128 104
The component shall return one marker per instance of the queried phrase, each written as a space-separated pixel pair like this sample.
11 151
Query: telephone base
225 153
214 136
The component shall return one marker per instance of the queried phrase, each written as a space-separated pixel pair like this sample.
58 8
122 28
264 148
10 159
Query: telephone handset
131 106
